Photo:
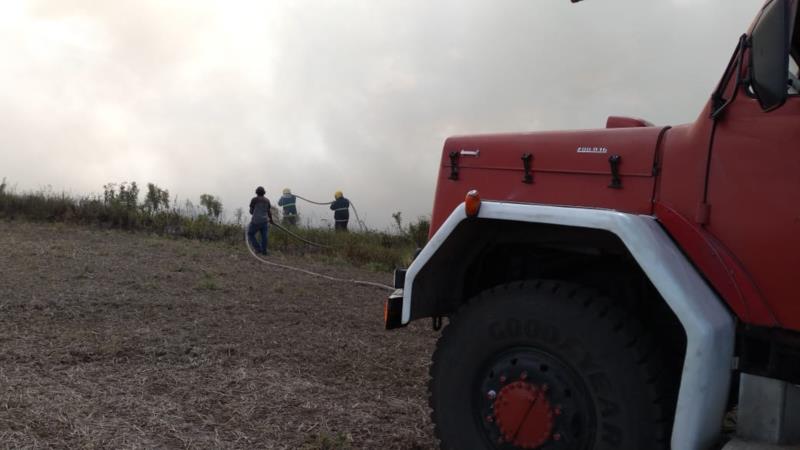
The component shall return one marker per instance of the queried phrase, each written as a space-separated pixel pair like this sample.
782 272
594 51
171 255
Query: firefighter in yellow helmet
288 201
341 211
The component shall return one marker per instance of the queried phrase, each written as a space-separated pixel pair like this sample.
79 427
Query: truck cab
623 287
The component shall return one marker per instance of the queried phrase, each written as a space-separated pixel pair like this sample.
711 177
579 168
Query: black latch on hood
616 182
526 166
453 166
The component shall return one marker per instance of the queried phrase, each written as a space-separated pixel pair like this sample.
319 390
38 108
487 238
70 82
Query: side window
794 76
774 54
794 57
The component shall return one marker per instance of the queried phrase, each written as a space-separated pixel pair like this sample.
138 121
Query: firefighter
288 202
261 210
341 211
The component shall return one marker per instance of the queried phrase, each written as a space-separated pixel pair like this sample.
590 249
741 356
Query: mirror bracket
718 103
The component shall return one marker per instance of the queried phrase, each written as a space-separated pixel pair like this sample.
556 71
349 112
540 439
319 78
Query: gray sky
203 96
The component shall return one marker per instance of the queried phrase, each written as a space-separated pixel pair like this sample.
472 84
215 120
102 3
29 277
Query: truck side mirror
769 54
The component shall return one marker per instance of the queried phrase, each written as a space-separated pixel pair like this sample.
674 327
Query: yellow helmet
287 191
338 194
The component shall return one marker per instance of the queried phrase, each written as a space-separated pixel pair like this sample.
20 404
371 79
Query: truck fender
709 326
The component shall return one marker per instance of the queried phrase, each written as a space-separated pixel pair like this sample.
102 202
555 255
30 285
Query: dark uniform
261 210
341 212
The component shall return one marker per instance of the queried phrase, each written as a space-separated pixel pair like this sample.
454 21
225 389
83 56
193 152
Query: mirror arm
719 104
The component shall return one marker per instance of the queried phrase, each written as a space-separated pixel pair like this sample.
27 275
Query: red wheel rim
524 415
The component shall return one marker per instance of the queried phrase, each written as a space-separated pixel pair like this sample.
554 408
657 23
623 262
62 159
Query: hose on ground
300 238
309 272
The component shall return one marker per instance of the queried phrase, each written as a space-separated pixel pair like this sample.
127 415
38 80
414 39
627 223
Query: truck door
753 193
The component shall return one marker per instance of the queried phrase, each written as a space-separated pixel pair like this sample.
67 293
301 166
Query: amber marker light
472 204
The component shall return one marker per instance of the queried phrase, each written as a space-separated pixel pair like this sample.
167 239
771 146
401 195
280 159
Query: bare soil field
118 340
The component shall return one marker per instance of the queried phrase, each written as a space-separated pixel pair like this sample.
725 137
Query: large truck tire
551 365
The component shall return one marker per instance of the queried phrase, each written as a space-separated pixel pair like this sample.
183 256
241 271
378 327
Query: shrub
212 204
157 199
118 207
418 232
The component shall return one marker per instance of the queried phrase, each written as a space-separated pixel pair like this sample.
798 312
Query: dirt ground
117 340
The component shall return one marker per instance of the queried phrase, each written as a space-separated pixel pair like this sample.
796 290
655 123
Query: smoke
219 97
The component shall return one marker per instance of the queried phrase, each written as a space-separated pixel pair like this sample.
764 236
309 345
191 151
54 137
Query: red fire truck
625 287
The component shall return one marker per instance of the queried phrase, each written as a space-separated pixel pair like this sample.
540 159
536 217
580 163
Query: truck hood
569 168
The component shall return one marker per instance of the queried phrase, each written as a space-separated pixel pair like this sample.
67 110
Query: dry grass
118 340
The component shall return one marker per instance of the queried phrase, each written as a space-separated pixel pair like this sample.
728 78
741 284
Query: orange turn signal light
472 204
393 311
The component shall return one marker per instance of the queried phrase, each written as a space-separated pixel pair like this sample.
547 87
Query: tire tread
636 337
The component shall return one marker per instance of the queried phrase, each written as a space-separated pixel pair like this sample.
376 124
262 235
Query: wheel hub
524 414
526 398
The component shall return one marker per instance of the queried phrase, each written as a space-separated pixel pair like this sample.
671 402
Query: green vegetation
208 283
157 199
119 207
212 204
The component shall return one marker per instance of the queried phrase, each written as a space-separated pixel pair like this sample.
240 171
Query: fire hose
300 238
355 211
309 272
